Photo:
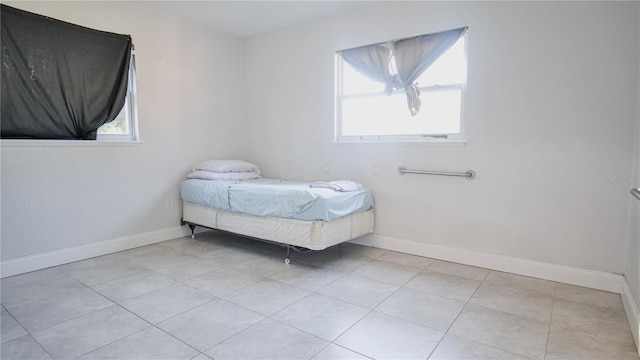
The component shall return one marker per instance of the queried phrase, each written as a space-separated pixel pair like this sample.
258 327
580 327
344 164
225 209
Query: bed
294 214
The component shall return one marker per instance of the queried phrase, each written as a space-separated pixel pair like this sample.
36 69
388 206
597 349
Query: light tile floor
225 297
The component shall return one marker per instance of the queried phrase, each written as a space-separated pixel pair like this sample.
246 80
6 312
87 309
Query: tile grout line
369 310
73 317
446 332
546 345
27 333
117 303
139 317
386 298
553 305
553 297
365 315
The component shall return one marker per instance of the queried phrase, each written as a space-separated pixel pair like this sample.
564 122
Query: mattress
314 235
276 198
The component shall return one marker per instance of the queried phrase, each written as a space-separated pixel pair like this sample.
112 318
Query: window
365 112
61 81
125 125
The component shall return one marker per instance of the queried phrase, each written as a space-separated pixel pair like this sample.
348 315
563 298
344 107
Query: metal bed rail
636 193
469 174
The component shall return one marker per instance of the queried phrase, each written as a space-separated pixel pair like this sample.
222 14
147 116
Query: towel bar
636 192
469 174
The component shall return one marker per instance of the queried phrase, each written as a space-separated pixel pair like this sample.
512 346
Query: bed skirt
314 235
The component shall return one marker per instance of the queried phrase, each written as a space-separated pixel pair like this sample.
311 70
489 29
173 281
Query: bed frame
291 233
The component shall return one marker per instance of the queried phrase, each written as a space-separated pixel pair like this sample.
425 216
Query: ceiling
246 18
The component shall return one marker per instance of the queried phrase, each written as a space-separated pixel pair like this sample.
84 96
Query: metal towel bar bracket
636 192
469 174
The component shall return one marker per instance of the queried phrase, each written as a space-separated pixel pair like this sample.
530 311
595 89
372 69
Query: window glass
124 126
119 126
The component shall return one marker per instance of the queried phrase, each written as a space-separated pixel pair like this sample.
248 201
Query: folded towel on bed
337 185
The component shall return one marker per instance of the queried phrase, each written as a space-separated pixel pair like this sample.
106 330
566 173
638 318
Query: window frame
457 138
130 108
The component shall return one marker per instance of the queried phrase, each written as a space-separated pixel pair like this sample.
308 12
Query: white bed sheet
276 198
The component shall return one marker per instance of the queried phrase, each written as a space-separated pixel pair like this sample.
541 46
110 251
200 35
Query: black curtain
59 80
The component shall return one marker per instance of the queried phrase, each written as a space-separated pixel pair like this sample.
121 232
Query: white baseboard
561 273
631 309
29 263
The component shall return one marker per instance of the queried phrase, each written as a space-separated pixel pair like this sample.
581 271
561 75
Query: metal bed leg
287 260
193 229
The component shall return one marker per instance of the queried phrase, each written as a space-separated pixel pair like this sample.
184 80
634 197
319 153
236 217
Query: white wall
550 112
550 105
189 99
632 251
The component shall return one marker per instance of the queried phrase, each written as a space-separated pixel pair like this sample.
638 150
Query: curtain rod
410 37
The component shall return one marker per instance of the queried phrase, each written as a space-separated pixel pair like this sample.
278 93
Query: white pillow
210 175
225 166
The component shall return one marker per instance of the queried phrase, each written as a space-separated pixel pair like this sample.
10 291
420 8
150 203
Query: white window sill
429 142
15 143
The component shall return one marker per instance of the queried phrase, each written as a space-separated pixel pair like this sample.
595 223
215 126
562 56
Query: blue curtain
411 57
